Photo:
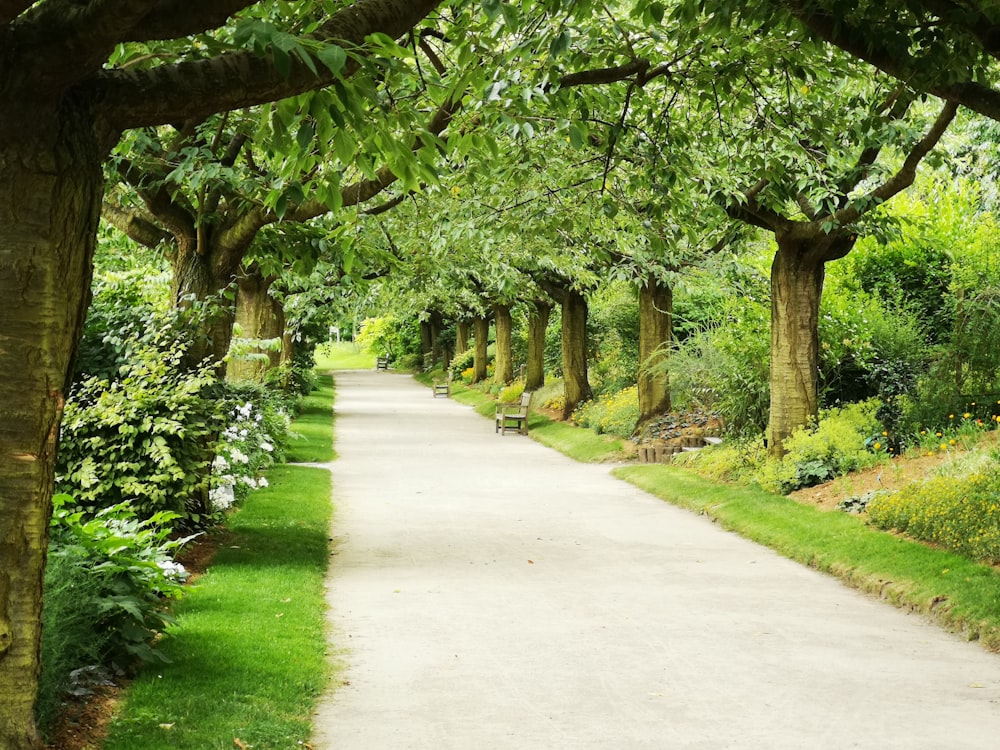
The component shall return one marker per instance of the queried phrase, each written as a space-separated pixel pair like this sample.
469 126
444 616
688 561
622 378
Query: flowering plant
247 447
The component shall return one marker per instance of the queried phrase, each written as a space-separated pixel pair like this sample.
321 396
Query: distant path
488 593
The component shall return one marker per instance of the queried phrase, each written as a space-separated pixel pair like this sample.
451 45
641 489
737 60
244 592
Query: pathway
488 593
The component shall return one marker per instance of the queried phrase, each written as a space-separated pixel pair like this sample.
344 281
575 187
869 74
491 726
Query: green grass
311 439
343 356
248 651
959 594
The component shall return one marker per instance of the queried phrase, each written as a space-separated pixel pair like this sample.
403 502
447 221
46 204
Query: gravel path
487 592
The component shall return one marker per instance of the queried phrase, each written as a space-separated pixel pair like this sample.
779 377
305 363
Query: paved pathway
489 593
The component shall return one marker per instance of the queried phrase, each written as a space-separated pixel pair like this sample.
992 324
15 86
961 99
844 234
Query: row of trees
675 113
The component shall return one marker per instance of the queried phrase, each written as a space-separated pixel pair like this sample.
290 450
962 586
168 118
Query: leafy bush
613 413
462 362
147 437
106 585
835 446
962 514
510 394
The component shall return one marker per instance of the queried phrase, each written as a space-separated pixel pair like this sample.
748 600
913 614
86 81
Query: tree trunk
426 344
197 277
481 326
538 322
261 321
438 349
574 352
504 372
461 337
796 292
50 194
656 303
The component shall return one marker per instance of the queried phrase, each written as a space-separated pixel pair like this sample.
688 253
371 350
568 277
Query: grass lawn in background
248 653
345 355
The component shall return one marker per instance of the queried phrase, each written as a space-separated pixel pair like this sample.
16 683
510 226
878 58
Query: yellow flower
877 446
966 415
944 447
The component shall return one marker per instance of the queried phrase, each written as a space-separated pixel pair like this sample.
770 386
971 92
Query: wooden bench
513 416
382 363
443 387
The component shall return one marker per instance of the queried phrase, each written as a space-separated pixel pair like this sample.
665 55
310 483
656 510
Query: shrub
462 362
835 446
146 436
105 588
613 413
511 393
962 514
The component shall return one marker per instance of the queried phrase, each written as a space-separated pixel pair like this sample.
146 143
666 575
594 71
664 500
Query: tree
62 76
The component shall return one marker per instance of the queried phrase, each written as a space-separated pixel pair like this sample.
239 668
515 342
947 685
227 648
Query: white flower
249 482
266 446
262 482
220 463
173 570
239 456
222 497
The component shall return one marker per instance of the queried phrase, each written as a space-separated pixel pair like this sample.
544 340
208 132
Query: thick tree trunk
197 277
439 350
461 337
261 322
656 304
50 191
796 292
481 327
504 372
574 352
538 322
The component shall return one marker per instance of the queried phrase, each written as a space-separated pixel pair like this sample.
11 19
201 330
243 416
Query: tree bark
199 275
461 337
504 372
261 320
656 304
426 343
50 192
481 327
538 322
797 275
574 352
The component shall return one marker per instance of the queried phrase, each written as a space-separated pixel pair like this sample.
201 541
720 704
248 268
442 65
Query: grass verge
311 437
959 594
247 655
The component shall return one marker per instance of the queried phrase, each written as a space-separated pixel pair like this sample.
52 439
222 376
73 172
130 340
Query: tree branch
906 174
171 19
977 97
11 9
132 224
169 93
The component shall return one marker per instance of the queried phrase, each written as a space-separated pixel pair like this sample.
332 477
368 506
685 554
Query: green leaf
333 57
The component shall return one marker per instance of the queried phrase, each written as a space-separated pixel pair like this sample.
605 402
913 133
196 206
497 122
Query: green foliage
391 336
511 394
613 330
611 413
462 362
959 513
835 446
724 368
147 437
110 578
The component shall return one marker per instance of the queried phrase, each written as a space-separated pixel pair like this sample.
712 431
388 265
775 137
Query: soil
898 472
